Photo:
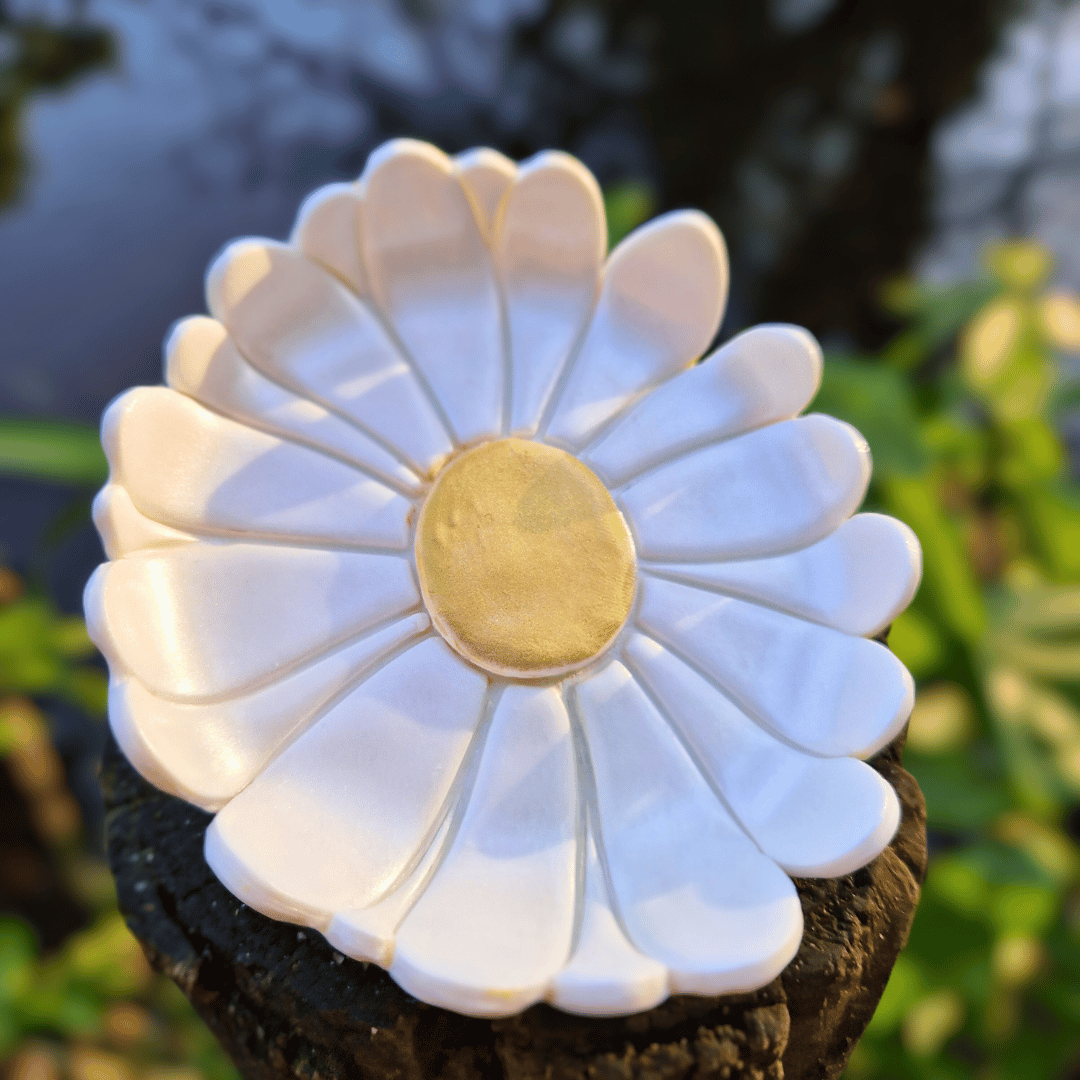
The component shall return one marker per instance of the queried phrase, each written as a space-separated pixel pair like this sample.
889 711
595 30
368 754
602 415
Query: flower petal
370 933
660 306
606 975
122 528
827 692
207 753
816 817
858 579
431 274
486 175
202 362
302 328
338 817
211 620
327 231
495 923
187 467
782 487
765 374
550 253
693 891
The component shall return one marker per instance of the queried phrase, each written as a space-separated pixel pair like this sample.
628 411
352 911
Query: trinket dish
513 648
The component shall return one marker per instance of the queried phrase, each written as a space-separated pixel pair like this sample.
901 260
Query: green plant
45 653
961 411
92 1009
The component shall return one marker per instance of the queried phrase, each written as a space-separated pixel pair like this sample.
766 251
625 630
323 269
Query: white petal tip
236 271
364 935
691 238
608 976
587 997
862 853
94 611
149 764
314 205
400 149
458 995
904 706
230 870
327 231
750 975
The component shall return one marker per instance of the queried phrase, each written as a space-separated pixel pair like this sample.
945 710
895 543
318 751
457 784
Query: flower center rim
526 566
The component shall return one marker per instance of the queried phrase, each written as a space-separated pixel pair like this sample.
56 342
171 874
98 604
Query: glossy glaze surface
496 837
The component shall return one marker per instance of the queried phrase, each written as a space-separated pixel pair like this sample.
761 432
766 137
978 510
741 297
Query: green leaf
917 643
69 637
47 450
627 205
946 943
950 579
1033 453
1052 514
1064 398
958 796
937 314
18 952
1024 908
906 986
953 440
87 688
65 1009
1020 264
877 401
961 883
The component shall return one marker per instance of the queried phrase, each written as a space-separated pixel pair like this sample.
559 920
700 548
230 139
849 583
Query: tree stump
283 1003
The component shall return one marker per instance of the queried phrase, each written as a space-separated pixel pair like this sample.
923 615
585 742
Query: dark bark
809 145
284 1004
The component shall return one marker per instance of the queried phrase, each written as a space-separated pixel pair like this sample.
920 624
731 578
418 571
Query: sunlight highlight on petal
486 175
304 329
693 890
495 923
816 817
858 579
217 619
327 230
202 361
431 274
366 783
774 490
123 529
550 253
766 374
660 306
825 691
190 468
209 753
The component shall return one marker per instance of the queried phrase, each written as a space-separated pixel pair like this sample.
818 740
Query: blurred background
900 176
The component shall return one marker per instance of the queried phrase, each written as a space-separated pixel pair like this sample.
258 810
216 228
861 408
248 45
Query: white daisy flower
513 652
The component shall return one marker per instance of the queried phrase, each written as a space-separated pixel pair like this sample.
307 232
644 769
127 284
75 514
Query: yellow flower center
525 563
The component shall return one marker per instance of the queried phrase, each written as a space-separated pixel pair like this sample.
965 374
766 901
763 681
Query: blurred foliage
36 55
43 652
92 1009
51 450
962 411
626 206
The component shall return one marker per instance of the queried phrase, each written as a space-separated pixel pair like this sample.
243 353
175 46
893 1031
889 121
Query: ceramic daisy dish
514 650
